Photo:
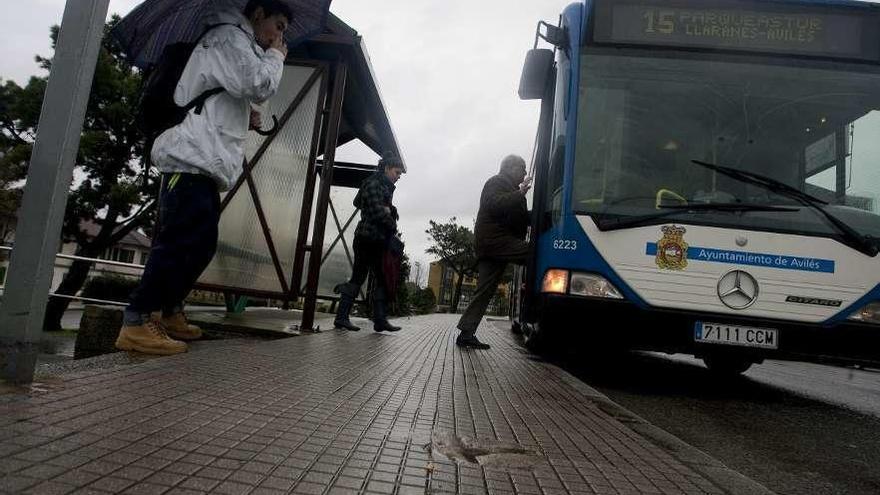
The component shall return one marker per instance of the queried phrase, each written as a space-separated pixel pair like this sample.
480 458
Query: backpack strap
198 103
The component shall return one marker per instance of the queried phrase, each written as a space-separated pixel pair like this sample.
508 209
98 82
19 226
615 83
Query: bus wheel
516 327
534 337
727 365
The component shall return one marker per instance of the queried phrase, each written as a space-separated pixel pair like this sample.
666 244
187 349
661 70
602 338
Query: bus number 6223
565 245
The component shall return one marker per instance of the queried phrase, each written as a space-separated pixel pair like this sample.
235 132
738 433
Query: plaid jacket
377 223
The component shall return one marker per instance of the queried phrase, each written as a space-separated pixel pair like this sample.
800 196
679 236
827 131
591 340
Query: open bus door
538 81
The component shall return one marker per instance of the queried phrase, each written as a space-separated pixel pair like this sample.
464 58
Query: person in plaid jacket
377 226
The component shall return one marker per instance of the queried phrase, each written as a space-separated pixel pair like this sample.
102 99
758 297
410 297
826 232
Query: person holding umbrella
242 52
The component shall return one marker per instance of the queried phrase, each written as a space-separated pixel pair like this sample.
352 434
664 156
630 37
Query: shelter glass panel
243 259
337 266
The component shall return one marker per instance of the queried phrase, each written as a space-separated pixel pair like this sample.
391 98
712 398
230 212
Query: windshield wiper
635 221
851 237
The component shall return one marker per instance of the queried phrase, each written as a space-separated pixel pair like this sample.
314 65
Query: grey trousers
490 271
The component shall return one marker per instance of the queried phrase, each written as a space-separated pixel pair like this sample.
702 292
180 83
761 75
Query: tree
423 300
17 116
454 245
107 187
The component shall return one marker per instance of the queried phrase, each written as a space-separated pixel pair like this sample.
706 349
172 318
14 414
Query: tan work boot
178 328
148 338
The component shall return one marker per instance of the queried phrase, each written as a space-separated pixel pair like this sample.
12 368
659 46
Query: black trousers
183 245
368 255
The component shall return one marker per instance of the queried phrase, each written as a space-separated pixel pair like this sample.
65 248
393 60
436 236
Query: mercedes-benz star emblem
738 290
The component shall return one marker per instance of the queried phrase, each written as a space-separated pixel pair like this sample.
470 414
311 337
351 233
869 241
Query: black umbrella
151 26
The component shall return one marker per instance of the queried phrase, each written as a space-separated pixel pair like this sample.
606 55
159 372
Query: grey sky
448 73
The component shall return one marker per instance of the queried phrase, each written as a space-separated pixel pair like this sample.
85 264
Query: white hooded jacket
212 143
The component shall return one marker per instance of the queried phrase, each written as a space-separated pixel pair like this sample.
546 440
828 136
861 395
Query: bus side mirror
536 74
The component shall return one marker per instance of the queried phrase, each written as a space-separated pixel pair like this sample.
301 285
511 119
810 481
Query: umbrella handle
271 131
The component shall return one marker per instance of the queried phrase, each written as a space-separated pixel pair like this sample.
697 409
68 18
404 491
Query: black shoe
384 326
346 325
471 342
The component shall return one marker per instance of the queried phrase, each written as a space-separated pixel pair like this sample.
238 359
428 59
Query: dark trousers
368 255
489 273
183 244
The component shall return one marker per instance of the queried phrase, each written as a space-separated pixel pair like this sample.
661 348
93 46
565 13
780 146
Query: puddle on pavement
38 386
483 452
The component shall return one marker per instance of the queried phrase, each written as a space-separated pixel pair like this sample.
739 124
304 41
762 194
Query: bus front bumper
619 323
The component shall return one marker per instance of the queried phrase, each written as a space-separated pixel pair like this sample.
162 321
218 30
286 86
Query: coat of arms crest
671 249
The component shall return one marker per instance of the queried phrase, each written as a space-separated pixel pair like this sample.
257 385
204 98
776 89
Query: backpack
156 110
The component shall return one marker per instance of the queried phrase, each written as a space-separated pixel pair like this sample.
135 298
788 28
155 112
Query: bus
707 180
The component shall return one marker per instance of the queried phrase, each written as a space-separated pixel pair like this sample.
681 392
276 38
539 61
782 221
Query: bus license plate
719 333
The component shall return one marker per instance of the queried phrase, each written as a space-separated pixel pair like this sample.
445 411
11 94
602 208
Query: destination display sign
740 25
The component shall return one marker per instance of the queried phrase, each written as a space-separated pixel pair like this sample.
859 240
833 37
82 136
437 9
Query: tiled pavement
336 413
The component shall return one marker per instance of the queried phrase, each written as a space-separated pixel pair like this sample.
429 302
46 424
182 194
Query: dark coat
377 224
503 219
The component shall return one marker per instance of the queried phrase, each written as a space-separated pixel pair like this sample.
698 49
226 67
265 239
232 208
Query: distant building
442 280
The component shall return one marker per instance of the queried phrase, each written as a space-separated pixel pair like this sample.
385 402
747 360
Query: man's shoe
384 326
471 342
177 327
149 338
346 325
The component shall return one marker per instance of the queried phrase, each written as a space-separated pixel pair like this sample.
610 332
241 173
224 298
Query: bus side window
553 207
560 110
554 183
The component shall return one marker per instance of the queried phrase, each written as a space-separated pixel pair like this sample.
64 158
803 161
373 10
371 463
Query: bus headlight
555 282
592 285
870 313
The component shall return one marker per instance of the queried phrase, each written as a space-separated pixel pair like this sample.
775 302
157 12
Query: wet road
851 388
794 427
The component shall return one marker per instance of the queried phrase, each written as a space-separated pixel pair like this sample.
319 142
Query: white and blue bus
707 180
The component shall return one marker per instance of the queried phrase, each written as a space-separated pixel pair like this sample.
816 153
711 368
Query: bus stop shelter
283 226
274 222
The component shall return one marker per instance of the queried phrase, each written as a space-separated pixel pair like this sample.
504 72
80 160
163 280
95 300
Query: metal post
332 136
321 121
842 138
38 234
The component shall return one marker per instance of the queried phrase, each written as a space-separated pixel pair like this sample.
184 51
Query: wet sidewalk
341 412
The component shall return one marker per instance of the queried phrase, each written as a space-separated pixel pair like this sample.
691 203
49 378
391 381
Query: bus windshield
644 117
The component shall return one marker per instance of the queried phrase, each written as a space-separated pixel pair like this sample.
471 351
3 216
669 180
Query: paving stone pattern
334 413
